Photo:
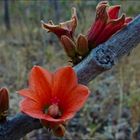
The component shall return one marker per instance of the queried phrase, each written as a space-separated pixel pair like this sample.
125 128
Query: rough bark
102 58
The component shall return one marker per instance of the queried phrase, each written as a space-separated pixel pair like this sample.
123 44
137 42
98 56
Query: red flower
106 23
65 28
53 97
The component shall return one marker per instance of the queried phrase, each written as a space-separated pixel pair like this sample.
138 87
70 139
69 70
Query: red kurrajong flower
54 98
64 28
106 23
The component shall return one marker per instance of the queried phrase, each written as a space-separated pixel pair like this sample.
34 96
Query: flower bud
99 24
112 27
4 103
113 11
59 130
82 45
69 46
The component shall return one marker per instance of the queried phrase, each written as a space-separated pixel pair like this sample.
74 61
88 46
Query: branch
99 60
17 127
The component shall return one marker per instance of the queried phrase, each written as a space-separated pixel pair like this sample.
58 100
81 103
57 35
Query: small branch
99 60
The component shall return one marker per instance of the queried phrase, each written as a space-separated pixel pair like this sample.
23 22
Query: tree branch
99 60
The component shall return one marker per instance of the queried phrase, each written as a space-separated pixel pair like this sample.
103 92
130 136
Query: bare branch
99 60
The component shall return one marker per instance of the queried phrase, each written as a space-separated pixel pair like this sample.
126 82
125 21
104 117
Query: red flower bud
111 28
100 22
64 28
106 23
4 103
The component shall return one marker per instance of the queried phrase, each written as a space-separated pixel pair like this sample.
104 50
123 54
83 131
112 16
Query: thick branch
99 60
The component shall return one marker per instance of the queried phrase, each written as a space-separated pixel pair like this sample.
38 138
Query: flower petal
56 29
128 19
73 101
40 81
67 116
99 24
64 81
72 23
29 94
113 11
65 28
32 108
111 28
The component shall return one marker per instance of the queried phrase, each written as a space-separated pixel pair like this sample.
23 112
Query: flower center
54 111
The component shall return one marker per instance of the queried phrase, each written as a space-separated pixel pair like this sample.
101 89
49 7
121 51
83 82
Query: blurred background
113 109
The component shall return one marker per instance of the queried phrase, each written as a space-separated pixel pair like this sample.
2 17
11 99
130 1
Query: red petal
111 28
128 19
72 23
56 29
75 99
95 30
64 81
68 115
40 81
31 108
113 11
29 94
99 24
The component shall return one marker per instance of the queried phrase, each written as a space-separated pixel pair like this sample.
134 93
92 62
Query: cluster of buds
106 24
4 104
76 49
